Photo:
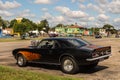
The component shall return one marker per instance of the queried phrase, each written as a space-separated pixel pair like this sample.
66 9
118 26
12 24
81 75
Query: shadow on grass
82 69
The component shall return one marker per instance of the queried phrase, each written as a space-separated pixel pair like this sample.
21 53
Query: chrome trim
92 59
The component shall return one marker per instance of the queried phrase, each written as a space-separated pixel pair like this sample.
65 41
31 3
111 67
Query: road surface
106 70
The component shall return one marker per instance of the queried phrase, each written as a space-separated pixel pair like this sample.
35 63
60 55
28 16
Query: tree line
26 25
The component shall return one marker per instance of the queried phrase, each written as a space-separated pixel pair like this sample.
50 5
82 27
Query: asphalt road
6 48
106 70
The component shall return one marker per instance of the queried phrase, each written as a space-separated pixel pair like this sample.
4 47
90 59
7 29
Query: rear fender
67 54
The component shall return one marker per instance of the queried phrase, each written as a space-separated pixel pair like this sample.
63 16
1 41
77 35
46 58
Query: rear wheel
69 65
21 61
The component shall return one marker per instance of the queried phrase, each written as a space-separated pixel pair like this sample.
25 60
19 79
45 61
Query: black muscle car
69 53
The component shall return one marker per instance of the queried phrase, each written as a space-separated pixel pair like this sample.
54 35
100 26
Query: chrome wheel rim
68 65
20 60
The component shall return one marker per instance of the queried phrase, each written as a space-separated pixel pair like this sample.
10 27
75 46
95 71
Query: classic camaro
69 53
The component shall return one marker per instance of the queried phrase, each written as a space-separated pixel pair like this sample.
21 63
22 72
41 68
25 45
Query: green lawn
8 73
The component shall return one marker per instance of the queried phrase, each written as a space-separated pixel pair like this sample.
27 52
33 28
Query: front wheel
21 61
69 65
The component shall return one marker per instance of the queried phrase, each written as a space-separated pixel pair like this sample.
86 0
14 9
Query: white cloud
47 16
83 7
44 9
91 18
117 20
81 0
63 10
9 5
103 18
5 13
102 1
26 13
69 13
77 0
114 7
96 8
42 1
53 19
73 1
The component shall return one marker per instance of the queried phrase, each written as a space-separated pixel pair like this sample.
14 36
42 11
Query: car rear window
73 43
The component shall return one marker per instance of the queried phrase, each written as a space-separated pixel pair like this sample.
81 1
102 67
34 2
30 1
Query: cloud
73 1
63 10
47 16
81 0
103 18
9 5
117 20
53 19
91 18
26 13
72 14
102 1
42 1
96 8
44 9
81 6
5 13
114 7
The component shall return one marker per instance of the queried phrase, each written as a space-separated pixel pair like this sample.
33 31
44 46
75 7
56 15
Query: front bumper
98 58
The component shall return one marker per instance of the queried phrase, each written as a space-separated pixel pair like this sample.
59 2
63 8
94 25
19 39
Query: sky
86 13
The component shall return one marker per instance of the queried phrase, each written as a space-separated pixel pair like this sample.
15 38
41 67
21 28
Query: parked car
117 36
69 53
98 36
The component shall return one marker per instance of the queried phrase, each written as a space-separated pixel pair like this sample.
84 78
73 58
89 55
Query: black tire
69 66
21 61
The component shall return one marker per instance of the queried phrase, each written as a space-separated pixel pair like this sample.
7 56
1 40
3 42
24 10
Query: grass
8 73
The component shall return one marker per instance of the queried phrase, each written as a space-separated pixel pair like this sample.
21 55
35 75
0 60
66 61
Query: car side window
56 45
46 44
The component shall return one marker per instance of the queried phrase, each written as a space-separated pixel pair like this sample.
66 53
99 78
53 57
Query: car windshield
73 43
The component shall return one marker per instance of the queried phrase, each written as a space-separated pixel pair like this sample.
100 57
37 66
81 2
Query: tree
23 27
59 25
109 29
95 30
44 26
3 23
12 23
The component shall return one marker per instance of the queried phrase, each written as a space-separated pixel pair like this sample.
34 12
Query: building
73 30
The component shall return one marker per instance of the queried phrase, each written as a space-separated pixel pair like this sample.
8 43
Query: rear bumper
98 58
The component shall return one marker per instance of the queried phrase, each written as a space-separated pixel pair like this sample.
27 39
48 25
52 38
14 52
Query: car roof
59 38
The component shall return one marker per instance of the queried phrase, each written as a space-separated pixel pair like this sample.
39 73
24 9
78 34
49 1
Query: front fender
30 55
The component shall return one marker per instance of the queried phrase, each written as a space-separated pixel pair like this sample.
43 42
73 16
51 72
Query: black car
69 53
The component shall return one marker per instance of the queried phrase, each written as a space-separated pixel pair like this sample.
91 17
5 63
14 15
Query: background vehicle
98 36
69 53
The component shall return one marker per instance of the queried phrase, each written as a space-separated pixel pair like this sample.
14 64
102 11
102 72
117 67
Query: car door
55 52
50 51
44 49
